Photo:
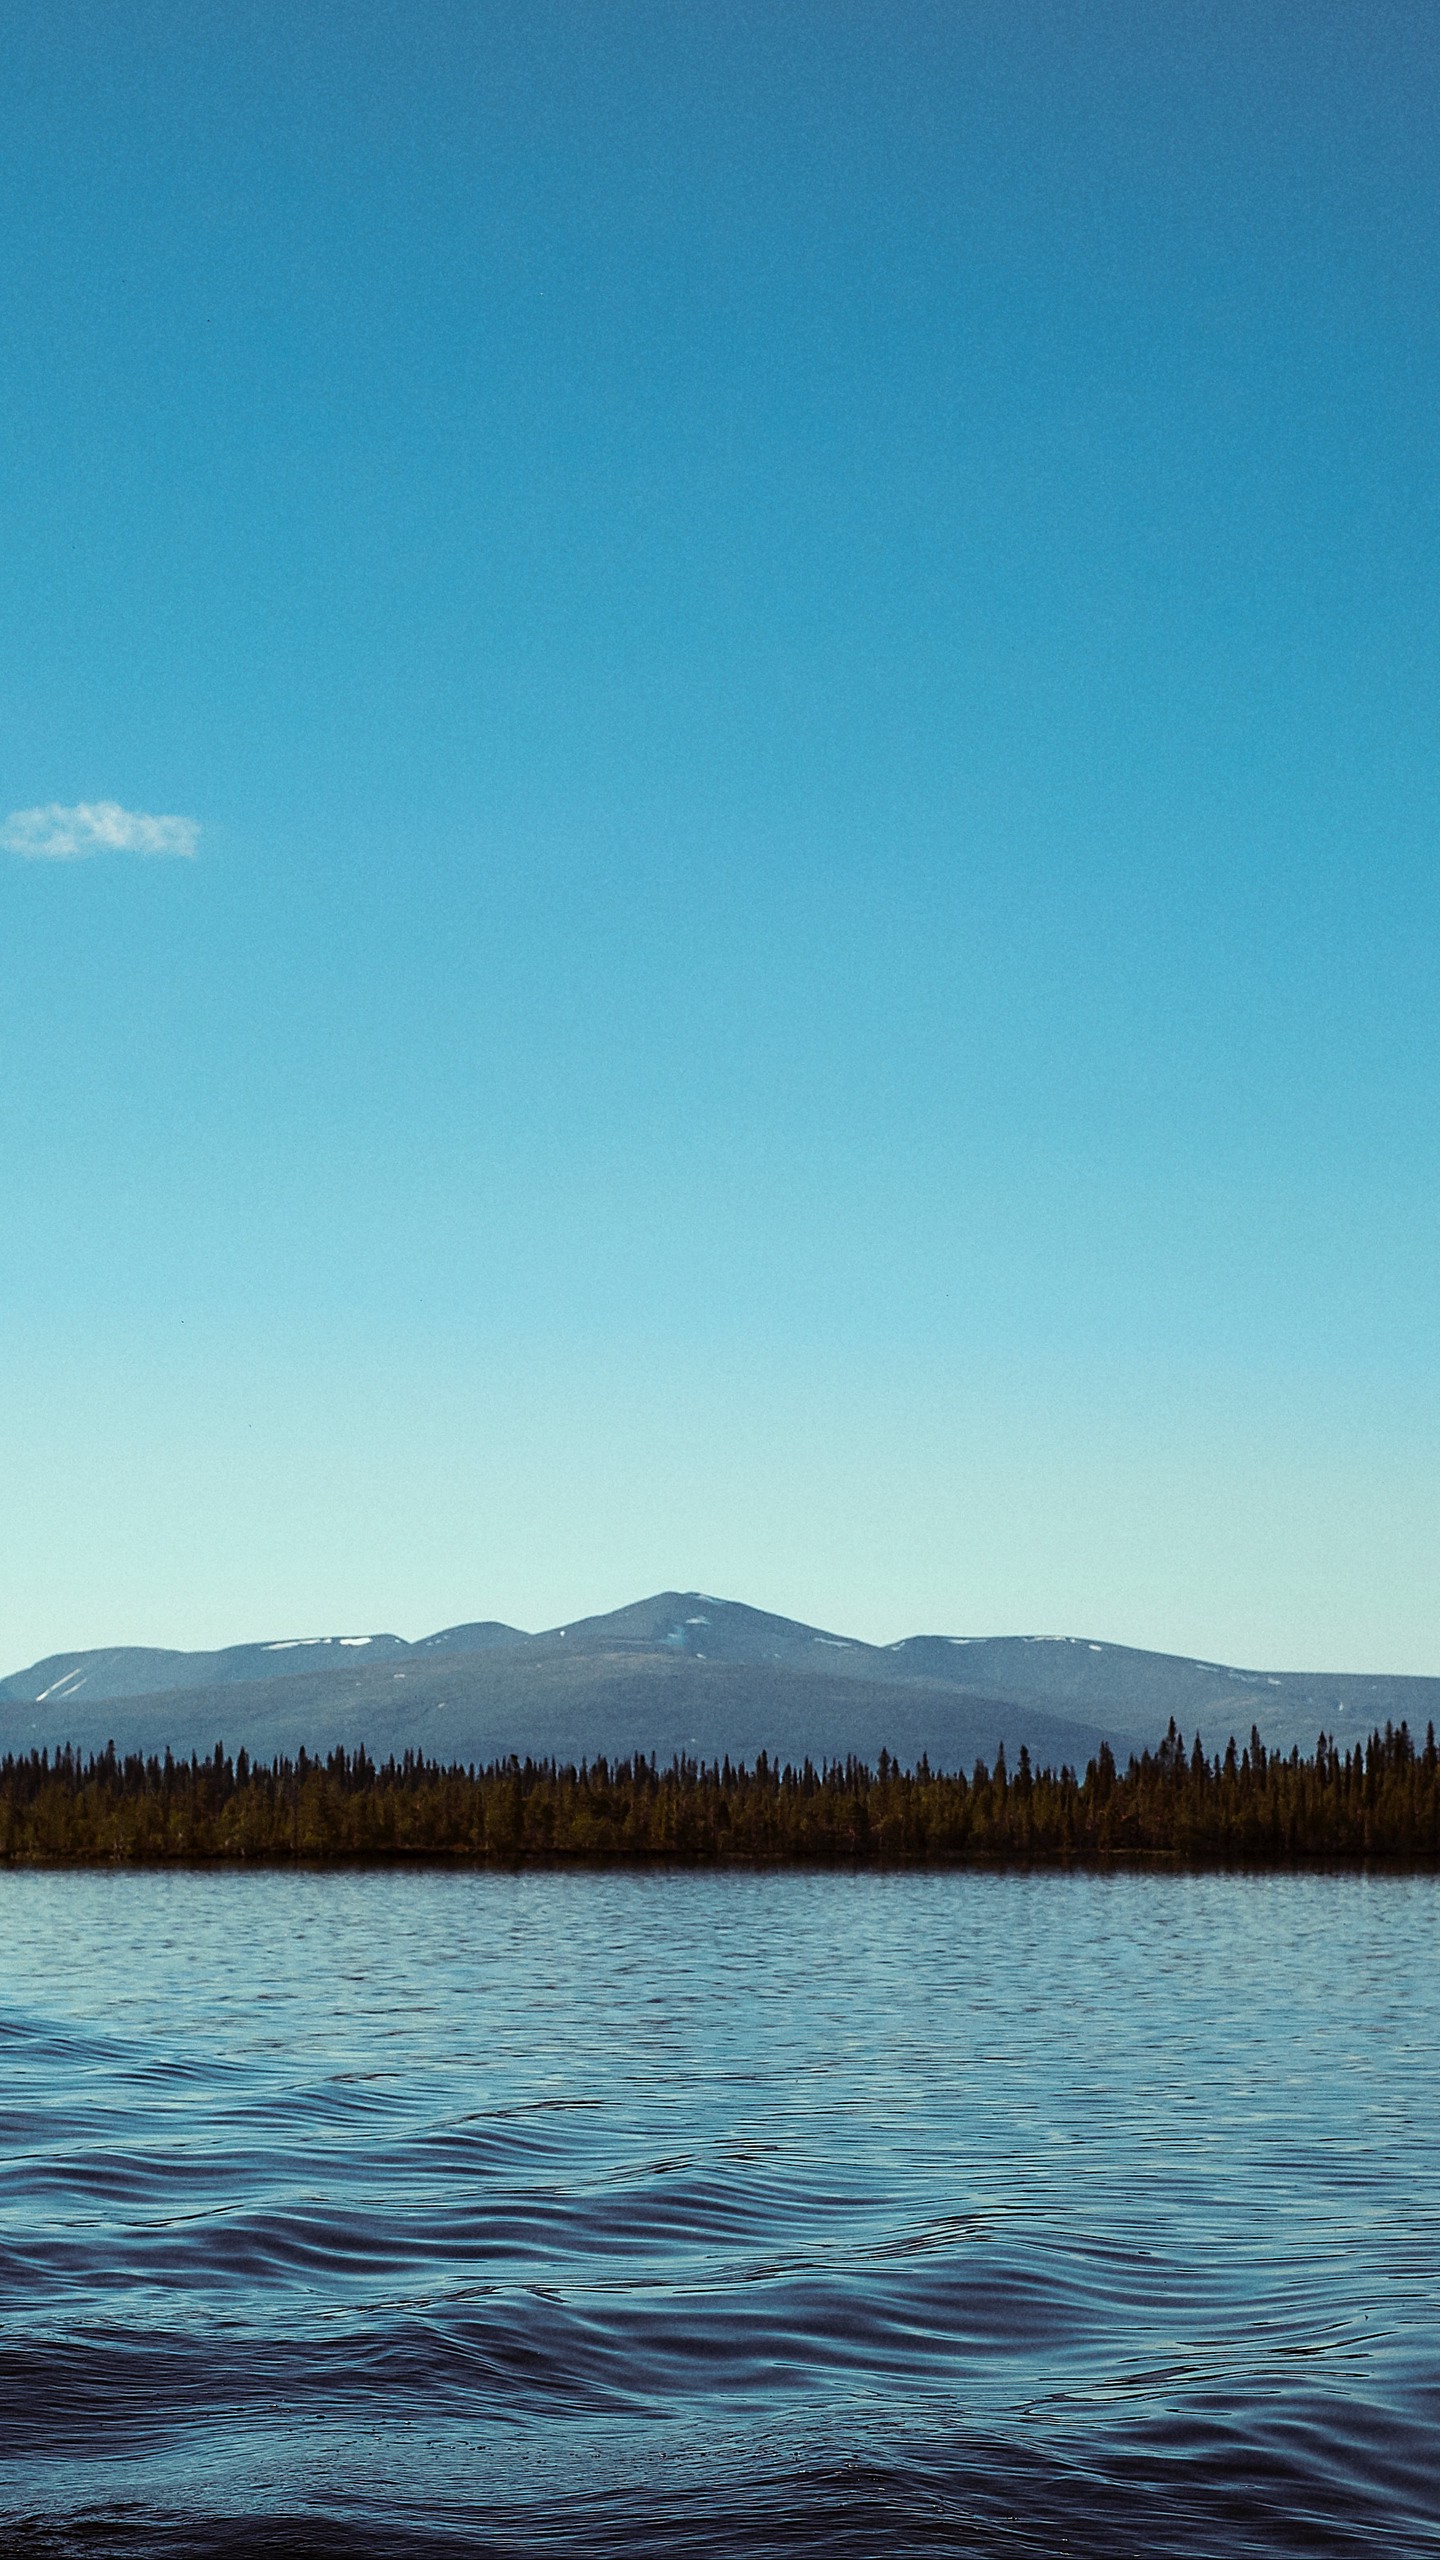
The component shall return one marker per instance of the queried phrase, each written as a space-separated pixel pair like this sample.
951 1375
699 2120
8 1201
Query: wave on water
1312 2487
719 2216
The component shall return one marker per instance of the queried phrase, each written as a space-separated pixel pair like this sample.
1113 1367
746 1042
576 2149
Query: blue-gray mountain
682 1672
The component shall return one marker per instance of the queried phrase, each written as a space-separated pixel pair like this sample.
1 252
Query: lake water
738 2214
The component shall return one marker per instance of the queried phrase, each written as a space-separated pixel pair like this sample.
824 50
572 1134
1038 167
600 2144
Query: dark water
603 2214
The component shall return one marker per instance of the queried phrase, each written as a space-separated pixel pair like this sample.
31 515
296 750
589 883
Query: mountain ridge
682 1671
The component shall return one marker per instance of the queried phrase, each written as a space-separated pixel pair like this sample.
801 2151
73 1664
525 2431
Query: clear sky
803 642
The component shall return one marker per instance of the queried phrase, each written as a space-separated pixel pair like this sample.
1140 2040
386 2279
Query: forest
1376 1800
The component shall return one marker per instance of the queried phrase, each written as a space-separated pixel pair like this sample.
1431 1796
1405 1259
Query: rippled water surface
739 2214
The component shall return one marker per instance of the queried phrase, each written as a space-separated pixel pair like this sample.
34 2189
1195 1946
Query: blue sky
803 643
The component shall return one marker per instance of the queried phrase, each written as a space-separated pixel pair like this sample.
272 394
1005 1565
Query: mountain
143 1671
1119 1685
685 1672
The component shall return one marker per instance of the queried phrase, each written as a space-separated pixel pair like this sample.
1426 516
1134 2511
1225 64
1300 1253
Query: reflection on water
725 2214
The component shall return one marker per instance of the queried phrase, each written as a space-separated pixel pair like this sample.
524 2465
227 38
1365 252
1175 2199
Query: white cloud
55 834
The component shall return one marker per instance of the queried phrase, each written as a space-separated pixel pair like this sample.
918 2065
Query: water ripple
731 2215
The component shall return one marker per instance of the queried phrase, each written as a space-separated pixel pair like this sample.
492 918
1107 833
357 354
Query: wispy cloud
55 834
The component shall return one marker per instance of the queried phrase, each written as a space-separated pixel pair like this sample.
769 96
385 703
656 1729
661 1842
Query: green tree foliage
1380 1799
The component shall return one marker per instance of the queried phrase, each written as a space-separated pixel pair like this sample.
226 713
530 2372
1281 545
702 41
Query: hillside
681 1672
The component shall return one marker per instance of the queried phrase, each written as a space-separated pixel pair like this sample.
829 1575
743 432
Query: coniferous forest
1247 1806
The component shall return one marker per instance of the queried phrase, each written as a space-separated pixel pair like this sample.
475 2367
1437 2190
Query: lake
663 2213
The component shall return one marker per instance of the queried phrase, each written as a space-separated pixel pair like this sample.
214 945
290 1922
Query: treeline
1376 1800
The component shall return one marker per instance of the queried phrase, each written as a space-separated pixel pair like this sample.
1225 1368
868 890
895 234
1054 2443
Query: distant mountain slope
141 1671
1116 1683
681 1671
479 1707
